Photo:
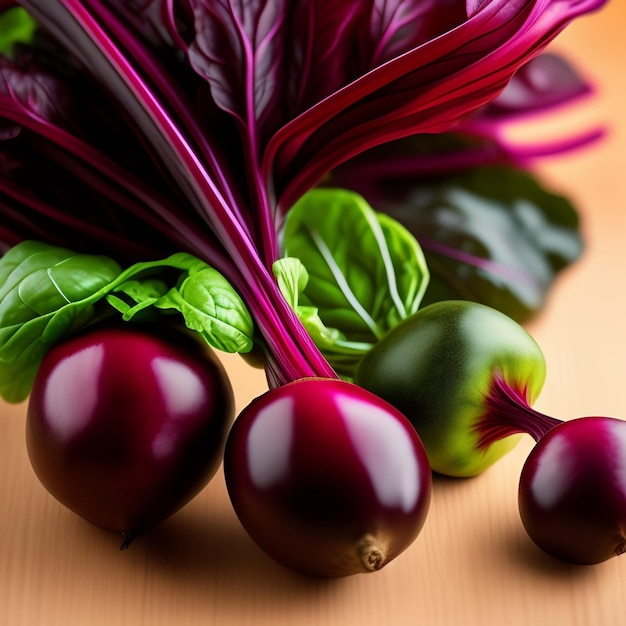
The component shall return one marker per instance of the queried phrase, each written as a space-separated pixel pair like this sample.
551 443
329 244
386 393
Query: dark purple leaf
546 82
73 170
545 85
239 49
324 56
36 92
427 89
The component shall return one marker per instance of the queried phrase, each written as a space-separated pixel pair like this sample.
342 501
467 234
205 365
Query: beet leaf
231 111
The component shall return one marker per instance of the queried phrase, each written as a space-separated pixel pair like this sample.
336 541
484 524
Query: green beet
438 367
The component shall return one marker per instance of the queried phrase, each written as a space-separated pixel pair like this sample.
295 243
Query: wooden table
472 565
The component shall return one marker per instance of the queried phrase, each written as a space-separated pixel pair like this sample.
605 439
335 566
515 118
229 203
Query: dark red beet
327 478
572 493
125 425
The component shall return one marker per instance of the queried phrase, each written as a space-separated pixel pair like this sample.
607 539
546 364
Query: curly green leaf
211 307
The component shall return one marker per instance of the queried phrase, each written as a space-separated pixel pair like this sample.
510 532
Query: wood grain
471 566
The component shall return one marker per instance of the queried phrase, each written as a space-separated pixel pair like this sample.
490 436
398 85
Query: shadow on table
519 547
504 540
193 551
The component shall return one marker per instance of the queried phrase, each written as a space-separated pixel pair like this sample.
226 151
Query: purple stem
509 413
292 353
177 100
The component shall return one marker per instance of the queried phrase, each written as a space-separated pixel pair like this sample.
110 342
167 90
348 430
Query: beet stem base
509 413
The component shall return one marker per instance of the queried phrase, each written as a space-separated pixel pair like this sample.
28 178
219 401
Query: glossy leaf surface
49 292
366 271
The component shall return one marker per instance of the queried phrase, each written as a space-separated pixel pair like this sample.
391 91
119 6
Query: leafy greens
364 271
231 111
16 26
47 292
489 234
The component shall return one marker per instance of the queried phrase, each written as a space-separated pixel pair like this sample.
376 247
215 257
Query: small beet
572 491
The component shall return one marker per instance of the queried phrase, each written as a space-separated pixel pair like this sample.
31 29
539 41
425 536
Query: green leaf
207 302
366 271
342 354
47 292
493 235
211 307
292 278
16 25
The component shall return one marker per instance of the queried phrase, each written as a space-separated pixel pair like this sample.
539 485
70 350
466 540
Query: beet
125 425
327 478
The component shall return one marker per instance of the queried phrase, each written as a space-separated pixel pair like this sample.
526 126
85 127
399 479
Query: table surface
472 563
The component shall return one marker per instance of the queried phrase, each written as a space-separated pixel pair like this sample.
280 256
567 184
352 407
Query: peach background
472 565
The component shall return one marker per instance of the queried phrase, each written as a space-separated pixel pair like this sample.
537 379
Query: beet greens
195 125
